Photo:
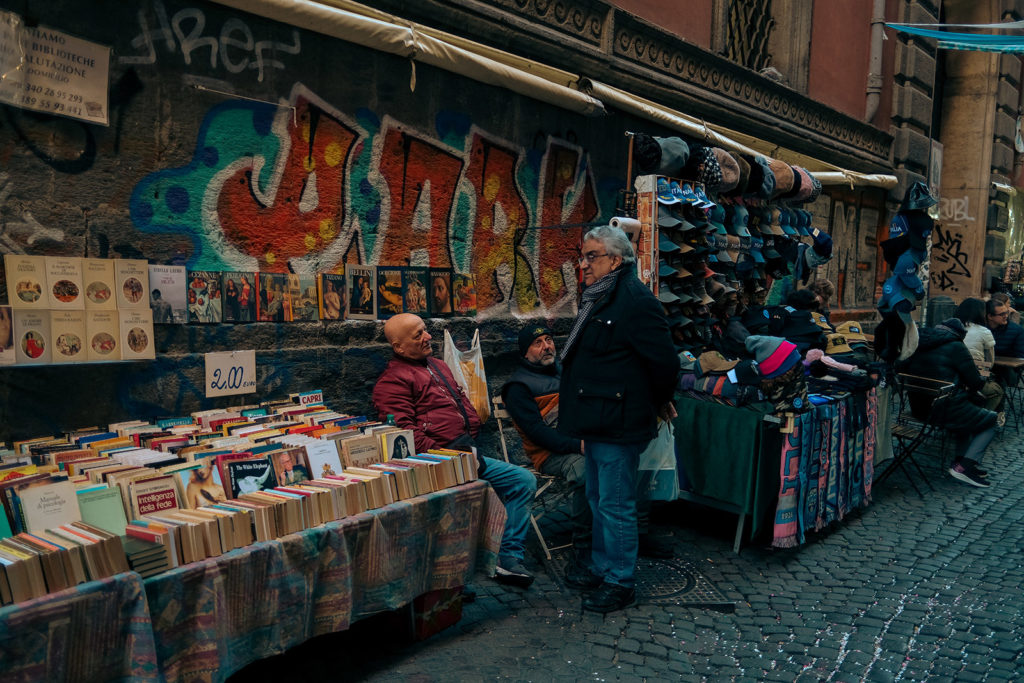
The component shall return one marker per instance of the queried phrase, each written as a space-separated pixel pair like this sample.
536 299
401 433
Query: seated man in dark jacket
941 354
531 398
421 393
1009 338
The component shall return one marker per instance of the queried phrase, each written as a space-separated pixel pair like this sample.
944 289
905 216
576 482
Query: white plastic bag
468 368
657 476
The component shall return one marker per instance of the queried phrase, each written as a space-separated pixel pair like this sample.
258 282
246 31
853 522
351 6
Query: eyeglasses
592 256
1004 314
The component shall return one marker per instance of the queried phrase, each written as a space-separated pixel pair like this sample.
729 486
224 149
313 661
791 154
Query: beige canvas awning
357 23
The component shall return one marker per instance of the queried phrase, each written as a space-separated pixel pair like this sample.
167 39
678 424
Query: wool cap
783 173
775 356
955 326
529 333
730 170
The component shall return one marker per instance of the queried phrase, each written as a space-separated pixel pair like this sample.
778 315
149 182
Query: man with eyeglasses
1009 338
423 396
619 373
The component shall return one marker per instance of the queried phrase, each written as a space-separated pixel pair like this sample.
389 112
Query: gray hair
615 242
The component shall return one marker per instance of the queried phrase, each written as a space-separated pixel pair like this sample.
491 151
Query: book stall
777 405
202 543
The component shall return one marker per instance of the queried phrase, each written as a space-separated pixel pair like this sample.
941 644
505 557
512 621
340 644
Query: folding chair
910 431
551 491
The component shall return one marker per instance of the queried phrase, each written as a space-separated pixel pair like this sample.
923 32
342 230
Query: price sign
230 372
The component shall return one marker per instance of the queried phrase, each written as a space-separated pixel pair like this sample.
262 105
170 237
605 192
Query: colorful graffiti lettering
303 187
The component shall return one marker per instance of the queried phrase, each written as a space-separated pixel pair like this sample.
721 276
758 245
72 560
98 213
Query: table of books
206 620
731 457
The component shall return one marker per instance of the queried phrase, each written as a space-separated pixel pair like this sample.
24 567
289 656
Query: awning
357 23
958 40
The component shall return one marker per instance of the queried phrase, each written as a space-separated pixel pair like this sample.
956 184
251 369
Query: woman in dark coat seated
942 355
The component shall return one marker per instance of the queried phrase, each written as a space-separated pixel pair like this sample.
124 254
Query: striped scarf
590 295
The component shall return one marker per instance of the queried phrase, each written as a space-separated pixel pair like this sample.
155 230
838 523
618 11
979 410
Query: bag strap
455 396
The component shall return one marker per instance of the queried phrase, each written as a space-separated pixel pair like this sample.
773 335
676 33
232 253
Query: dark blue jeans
611 489
516 487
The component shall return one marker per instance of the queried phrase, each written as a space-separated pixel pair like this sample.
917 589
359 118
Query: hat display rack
711 223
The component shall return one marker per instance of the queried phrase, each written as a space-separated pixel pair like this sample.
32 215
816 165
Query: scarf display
827 466
590 295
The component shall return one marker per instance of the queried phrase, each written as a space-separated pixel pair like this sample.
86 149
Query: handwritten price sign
230 372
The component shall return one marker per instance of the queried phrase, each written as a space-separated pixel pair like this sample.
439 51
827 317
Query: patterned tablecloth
206 620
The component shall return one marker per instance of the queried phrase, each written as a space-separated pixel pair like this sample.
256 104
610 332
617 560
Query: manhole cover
665 582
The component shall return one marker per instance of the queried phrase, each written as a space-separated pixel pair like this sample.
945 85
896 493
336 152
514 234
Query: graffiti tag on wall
950 260
306 186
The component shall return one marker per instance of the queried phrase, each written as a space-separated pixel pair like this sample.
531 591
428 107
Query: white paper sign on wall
230 372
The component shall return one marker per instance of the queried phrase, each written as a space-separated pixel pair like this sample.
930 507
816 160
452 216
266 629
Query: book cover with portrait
136 334
270 297
240 297
389 291
300 298
203 297
67 329
7 354
331 296
64 283
98 280
361 288
464 293
102 332
26 281
167 297
131 283
32 336
414 290
440 293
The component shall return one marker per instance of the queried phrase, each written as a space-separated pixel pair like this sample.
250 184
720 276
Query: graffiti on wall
305 186
234 47
950 268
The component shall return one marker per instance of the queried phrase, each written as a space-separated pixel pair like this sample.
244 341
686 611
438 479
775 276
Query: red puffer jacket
415 394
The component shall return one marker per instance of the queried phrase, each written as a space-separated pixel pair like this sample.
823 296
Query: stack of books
184 489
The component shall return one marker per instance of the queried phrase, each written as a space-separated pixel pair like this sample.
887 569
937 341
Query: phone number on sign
26 100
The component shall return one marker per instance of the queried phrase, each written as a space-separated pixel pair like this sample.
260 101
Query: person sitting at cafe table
942 355
982 345
1009 338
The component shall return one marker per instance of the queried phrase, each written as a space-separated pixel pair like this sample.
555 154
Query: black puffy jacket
620 369
942 355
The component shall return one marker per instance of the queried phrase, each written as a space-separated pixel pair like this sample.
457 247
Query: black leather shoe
609 598
578 576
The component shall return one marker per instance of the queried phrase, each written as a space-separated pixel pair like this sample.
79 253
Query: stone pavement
906 589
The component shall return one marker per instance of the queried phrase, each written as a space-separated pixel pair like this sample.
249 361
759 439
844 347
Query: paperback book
203 297
67 329
361 292
167 297
64 283
136 338
300 298
389 291
131 283
102 332
98 279
331 296
32 336
239 297
26 279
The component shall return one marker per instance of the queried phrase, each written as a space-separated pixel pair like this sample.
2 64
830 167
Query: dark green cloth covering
730 455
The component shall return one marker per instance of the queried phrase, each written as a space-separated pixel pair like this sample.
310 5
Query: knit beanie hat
775 356
529 333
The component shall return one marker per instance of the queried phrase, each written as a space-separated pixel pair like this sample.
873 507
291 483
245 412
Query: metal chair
910 431
551 491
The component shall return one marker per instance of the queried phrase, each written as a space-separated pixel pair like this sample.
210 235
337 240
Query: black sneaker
580 577
513 573
972 466
965 474
610 597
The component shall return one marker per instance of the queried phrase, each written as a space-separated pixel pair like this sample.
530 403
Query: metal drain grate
663 582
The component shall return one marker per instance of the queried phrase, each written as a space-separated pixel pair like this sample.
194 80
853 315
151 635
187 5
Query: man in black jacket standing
619 372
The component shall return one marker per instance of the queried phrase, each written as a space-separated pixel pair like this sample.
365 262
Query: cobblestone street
906 589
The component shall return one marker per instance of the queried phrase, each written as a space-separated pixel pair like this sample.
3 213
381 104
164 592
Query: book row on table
71 309
150 496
